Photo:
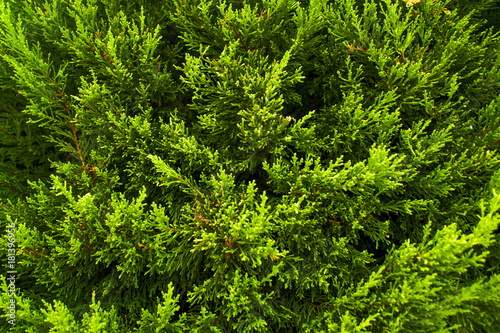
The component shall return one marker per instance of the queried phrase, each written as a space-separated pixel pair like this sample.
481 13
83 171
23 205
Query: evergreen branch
239 37
12 114
16 139
211 35
71 124
317 305
13 170
13 189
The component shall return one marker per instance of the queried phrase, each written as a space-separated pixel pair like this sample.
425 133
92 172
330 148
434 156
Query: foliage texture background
251 166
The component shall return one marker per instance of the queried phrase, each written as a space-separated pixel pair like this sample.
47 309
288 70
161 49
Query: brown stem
72 126
239 37
12 114
14 189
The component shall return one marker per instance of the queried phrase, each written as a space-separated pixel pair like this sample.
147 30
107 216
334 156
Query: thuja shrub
250 166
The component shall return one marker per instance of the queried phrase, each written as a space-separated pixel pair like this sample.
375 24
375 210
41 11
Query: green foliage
250 166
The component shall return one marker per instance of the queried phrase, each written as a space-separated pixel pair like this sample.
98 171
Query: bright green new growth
251 166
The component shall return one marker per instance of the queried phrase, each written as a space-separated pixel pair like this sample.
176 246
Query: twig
72 126
14 189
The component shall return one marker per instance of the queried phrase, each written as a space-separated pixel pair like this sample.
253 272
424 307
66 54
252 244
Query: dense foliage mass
250 166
